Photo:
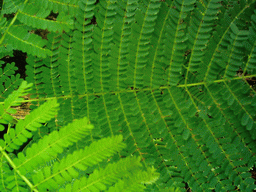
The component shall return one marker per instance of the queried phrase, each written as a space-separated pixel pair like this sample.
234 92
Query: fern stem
216 81
17 171
130 91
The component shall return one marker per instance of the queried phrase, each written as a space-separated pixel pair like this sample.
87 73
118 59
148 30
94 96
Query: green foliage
14 99
8 80
46 166
174 77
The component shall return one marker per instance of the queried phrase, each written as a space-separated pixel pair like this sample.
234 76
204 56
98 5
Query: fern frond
156 60
8 81
51 145
119 50
102 40
136 182
233 96
15 183
66 68
34 16
11 6
219 42
50 167
83 41
176 78
24 128
221 143
44 73
200 32
61 6
5 49
250 46
65 169
6 72
14 99
235 52
139 46
30 43
103 178
175 41
5 171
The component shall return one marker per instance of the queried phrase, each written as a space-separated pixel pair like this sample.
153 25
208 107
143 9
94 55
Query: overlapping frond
236 52
36 167
60 6
14 99
15 183
11 6
15 137
120 48
126 172
176 38
66 68
102 40
250 46
200 32
65 169
8 80
44 72
155 69
5 172
51 145
34 16
20 39
6 49
142 30
82 57
214 63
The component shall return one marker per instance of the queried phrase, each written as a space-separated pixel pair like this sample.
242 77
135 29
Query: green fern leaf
200 32
35 17
83 38
102 40
250 46
141 33
133 183
18 37
5 171
69 7
11 6
89 156
102 178
51 145
13 99
40 166
175 39
16 137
